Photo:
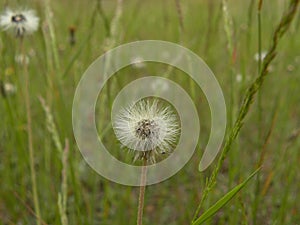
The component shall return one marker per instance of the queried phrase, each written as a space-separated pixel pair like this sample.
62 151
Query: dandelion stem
142 193
30 142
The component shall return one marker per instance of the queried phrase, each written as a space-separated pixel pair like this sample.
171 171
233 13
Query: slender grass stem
209 33
30 140
104 17
228 28
142 193
249 23
52 34
259 104
63 195
180 19
112 40
259 33
281 28
263 150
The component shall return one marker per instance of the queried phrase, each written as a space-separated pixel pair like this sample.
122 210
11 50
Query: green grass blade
223 201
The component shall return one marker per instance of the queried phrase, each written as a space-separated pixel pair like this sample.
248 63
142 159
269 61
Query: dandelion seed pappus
20 22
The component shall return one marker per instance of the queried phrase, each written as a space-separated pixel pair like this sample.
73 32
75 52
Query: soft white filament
161 127
20 22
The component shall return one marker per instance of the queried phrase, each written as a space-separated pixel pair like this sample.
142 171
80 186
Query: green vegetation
44 178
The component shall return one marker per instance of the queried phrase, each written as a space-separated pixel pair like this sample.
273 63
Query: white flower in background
239 78
20 22
22 59
137 62
8 89
290 68
147 129
262 55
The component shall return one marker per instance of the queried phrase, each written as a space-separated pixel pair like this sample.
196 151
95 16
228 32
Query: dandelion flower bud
20 22
147 129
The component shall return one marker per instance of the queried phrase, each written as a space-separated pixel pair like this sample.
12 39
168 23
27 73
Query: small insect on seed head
148 129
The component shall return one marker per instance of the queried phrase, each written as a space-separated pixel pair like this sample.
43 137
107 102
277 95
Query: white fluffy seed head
7 89
147 129
21 22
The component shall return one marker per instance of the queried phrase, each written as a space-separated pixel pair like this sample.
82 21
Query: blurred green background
56 65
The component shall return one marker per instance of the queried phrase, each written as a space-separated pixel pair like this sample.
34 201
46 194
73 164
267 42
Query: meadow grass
226 34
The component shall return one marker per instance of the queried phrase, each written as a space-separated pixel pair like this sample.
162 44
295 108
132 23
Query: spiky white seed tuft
20 22
147 129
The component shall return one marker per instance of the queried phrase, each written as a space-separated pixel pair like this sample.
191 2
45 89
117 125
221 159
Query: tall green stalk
30 137
260 108
280 30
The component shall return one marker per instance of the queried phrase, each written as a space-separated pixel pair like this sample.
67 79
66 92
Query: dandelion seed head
20 22
7 89
147 129
22 59
10 88
290 68
239 78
